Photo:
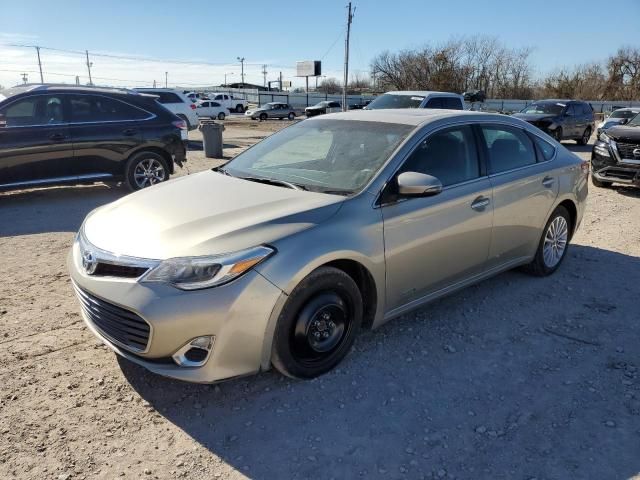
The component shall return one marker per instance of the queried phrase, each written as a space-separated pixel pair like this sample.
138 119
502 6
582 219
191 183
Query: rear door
524 190
104 131
35 144
570 126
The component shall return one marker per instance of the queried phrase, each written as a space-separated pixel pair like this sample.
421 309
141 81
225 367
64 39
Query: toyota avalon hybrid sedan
333 225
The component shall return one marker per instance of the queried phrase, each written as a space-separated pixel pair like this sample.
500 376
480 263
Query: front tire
145 169
263 117
553 244
585 137
318 324
291 116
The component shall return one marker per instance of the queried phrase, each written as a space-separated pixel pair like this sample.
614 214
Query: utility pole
166 79
281 89
25 77
241 60
89 64
154 84
346 57
264 74
40 65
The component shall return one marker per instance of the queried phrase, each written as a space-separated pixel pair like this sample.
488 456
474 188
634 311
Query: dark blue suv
64 134
562 119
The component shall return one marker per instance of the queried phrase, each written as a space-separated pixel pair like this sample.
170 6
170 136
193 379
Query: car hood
624 133
609 122
534 117
204 214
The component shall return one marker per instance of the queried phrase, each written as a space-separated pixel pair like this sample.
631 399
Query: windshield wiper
222 171
274 181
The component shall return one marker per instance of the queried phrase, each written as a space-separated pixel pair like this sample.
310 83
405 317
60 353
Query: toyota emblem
636 153
89 262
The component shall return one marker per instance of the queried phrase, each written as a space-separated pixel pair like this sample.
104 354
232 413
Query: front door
435 242
35 144
104 131
524 190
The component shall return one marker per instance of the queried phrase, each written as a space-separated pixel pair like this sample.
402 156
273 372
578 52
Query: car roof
64 88
410 116
422 93
630 109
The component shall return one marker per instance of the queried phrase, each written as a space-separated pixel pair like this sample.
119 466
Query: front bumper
236 314
608 166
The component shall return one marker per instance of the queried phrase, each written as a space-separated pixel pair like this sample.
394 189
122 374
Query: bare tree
330 85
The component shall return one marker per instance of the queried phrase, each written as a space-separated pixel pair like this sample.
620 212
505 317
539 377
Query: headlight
604 138
193 273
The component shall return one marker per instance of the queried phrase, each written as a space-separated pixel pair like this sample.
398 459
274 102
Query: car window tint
452 103
218 97
434 103
508 148
215 104
449 155
93 108
570 111
545 147
35 110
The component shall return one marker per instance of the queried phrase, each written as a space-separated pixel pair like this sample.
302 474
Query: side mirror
414 184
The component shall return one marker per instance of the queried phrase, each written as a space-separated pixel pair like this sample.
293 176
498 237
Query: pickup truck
234 104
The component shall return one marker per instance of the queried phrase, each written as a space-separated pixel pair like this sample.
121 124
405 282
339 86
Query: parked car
617 117
272 110
327 106
209 108
562 119
615 157
237 105
338 223
418 99
196 97
176 102
359 105
63 134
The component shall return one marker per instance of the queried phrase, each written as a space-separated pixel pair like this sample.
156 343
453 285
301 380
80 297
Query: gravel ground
515 378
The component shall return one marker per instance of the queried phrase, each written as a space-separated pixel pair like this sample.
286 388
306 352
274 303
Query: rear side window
93 108
435 103
452 103
35 110
508 148
545 147
165 97
449 155
215 104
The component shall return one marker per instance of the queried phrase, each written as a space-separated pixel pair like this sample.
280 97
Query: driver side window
449 155
35 110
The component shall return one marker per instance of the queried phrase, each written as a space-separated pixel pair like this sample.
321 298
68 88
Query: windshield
389 100
623 114
334 156
321 104
550 108
635 121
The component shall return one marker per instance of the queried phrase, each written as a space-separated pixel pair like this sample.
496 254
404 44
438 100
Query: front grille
620 173
626 150
111 270
115 323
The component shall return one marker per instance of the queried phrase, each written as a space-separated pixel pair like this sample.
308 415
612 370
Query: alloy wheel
149 171
555 242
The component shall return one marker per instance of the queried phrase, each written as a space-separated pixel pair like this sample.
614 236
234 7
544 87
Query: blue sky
561 33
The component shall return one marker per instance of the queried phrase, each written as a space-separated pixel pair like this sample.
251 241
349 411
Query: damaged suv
616 155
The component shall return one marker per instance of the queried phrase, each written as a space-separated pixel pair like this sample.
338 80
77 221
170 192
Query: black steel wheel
318 324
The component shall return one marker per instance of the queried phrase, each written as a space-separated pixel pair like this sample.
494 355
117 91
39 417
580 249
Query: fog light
194 353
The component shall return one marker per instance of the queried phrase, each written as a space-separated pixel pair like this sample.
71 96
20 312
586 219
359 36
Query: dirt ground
514 378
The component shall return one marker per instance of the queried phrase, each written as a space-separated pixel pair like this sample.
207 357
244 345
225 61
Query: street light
225 78
241 60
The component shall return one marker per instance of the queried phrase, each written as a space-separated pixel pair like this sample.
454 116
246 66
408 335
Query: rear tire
585 137
239 109
145 169
553 245
291 116
221 116
318 324
600 183
263 117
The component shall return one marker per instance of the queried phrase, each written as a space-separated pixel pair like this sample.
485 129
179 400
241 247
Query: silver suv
334 224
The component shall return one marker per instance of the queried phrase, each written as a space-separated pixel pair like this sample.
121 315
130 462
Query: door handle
56 137
480 203
547 182
129 131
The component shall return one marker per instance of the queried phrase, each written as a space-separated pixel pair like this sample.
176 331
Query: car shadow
471 381
198 145
27 212
574 147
